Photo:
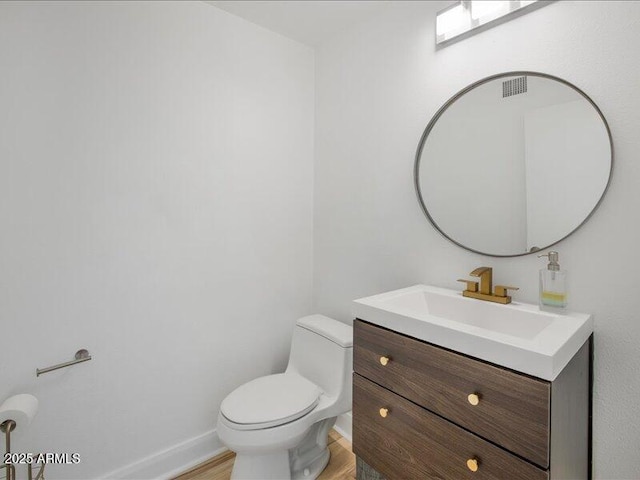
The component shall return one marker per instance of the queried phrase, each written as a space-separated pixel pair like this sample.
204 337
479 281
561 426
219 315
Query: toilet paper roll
19 408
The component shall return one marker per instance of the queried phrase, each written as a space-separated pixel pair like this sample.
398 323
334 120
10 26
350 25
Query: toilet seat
270 401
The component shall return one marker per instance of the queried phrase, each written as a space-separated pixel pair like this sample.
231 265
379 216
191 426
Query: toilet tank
322 352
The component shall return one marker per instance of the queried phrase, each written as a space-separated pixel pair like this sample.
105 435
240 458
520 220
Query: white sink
517 336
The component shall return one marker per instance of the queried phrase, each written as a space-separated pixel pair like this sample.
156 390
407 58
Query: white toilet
278 424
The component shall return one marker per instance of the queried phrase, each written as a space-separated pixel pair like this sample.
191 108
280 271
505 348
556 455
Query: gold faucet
486 287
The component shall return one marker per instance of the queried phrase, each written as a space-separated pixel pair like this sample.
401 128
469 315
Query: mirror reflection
513 164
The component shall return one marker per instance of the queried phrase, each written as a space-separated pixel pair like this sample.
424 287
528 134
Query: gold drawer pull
472 464
384 412
474 399
384 360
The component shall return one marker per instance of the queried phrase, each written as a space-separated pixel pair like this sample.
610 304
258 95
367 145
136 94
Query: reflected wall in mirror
513 163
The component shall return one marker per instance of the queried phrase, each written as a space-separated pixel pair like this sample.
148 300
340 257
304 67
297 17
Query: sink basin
518 336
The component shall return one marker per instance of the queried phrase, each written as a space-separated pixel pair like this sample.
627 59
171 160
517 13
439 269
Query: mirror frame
453 99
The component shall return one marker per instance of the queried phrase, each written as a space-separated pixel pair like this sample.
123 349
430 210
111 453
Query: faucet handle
501 290
472 286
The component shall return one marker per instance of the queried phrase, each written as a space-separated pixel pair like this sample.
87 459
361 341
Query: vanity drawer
512 411
411 442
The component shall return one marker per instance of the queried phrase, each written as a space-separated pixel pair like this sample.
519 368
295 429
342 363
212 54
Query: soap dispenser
553 285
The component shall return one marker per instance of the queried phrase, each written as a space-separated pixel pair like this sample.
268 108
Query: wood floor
342 465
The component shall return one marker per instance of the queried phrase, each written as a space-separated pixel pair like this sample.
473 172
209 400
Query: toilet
278 425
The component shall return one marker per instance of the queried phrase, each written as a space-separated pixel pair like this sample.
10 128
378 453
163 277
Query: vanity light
451 22
467 15
488 9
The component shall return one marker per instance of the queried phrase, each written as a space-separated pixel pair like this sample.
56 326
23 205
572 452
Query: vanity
452 385
448 387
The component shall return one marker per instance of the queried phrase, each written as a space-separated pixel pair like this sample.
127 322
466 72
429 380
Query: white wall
378 85
156 163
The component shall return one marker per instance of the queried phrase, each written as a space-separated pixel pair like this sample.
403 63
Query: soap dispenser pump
553 285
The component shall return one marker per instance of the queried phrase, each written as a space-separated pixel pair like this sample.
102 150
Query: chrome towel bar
82 355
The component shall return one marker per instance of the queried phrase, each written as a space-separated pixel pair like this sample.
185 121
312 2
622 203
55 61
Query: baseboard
185 455
343 425
171 461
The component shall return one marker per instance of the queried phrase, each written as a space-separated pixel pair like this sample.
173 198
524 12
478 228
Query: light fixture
465 16
489 9
452 21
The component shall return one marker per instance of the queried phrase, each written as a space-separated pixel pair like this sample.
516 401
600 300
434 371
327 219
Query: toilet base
313 471
272 466
311 456
306 461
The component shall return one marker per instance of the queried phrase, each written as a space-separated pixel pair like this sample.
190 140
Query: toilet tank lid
331 329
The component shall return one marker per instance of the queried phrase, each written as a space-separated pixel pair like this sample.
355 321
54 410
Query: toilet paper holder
81 355
16 412
7 427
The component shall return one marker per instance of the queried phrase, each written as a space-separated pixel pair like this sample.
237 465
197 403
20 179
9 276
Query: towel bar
82 355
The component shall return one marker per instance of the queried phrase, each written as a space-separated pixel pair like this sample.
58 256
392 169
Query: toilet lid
270 401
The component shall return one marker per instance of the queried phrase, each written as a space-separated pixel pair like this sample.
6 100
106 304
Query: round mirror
513 163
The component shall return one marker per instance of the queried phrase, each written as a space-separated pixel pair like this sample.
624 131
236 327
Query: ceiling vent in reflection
515 86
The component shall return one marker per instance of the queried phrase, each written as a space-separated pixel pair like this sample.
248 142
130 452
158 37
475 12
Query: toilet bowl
278 425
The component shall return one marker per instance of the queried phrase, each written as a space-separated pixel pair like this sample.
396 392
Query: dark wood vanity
424 412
